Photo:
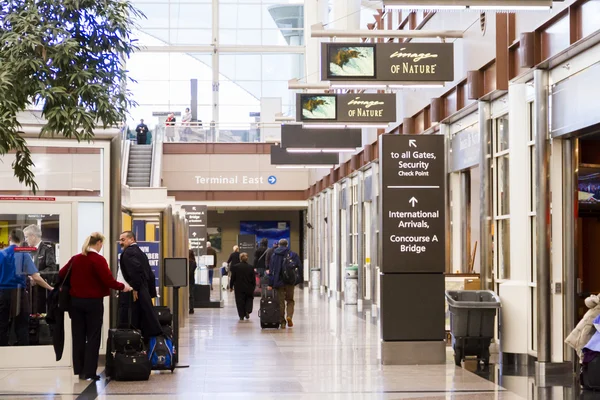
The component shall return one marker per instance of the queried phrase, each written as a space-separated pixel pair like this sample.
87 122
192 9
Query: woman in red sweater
91 280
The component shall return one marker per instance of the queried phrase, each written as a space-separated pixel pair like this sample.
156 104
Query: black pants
141 138
17 301
244 302
192 285
86 328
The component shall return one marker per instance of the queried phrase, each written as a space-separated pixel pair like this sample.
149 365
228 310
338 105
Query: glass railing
196 132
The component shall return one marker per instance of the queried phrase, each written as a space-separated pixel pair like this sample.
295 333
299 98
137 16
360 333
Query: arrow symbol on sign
193 208
412 143
194 234
413 201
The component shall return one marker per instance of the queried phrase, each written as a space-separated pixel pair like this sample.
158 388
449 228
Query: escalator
139 171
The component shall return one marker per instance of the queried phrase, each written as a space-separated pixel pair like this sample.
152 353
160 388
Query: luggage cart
472 317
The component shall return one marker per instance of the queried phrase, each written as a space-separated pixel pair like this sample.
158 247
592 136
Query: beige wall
250 172
229 222
64 172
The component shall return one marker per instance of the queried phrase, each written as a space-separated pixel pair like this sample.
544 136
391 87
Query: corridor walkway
330 354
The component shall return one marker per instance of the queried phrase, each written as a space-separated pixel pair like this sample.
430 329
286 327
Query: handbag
64 295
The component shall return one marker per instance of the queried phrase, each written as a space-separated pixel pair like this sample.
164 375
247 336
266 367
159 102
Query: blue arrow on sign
272 180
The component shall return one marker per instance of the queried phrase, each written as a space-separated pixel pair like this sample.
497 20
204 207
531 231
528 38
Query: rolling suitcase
269 309
127 346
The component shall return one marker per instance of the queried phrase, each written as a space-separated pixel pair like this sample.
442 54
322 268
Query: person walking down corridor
192 265
260 256
210 251
243 283
284 259
91 281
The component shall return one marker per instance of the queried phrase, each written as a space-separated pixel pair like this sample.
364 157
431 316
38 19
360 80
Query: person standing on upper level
170 127
142 132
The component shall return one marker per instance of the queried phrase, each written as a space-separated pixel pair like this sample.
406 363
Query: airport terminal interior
300 199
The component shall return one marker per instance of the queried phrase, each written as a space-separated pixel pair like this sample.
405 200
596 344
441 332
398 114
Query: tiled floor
329 354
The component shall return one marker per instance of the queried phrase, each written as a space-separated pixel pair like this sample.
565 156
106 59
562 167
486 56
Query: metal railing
197 132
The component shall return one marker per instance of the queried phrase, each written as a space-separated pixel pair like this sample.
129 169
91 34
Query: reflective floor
330 353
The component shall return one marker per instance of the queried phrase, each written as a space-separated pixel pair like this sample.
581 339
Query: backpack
161 353
289 270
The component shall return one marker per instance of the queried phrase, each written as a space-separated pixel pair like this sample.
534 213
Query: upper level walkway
331 353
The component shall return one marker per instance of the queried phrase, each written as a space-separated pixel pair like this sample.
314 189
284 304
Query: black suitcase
133 366
119 342
164 315
269 309
590 375
167 331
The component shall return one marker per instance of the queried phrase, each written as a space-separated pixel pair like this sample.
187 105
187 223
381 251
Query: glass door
48 232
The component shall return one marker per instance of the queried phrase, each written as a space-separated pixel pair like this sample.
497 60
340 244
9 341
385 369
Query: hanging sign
389 62
346 108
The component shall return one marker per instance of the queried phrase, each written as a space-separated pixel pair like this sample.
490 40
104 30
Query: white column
514 293
215 67
315 11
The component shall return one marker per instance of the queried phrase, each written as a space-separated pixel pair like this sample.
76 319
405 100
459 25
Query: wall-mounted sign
413 233
465 149
347 108
390 62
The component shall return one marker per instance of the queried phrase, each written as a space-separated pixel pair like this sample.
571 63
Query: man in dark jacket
260 259
45 261
142 132
138 274
285 291
210 251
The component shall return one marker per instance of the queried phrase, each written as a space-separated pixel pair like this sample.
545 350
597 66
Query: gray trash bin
472 319
351 285
315 278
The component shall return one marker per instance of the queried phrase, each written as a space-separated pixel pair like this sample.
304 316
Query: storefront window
501 162
23 308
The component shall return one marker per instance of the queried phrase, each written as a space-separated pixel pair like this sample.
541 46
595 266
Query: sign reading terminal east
413 203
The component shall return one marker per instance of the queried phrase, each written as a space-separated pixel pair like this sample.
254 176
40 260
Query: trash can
472 317
315 278
351 285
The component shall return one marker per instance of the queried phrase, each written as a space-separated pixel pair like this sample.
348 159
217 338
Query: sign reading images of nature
319 107
356 61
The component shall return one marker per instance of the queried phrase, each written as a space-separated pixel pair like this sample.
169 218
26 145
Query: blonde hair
91 240
244 257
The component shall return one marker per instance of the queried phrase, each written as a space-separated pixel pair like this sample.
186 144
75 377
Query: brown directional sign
197 219
412 179
390 62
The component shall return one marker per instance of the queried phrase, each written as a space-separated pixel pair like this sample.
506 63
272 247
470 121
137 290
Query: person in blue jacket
285 291
15 267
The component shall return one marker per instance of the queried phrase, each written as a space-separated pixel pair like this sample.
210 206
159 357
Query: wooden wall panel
555 38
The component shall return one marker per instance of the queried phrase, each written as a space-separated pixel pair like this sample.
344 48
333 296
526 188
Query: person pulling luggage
285 272
243 283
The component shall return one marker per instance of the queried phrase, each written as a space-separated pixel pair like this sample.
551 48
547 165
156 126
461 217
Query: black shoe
89 378
247 316
241 318
192 311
